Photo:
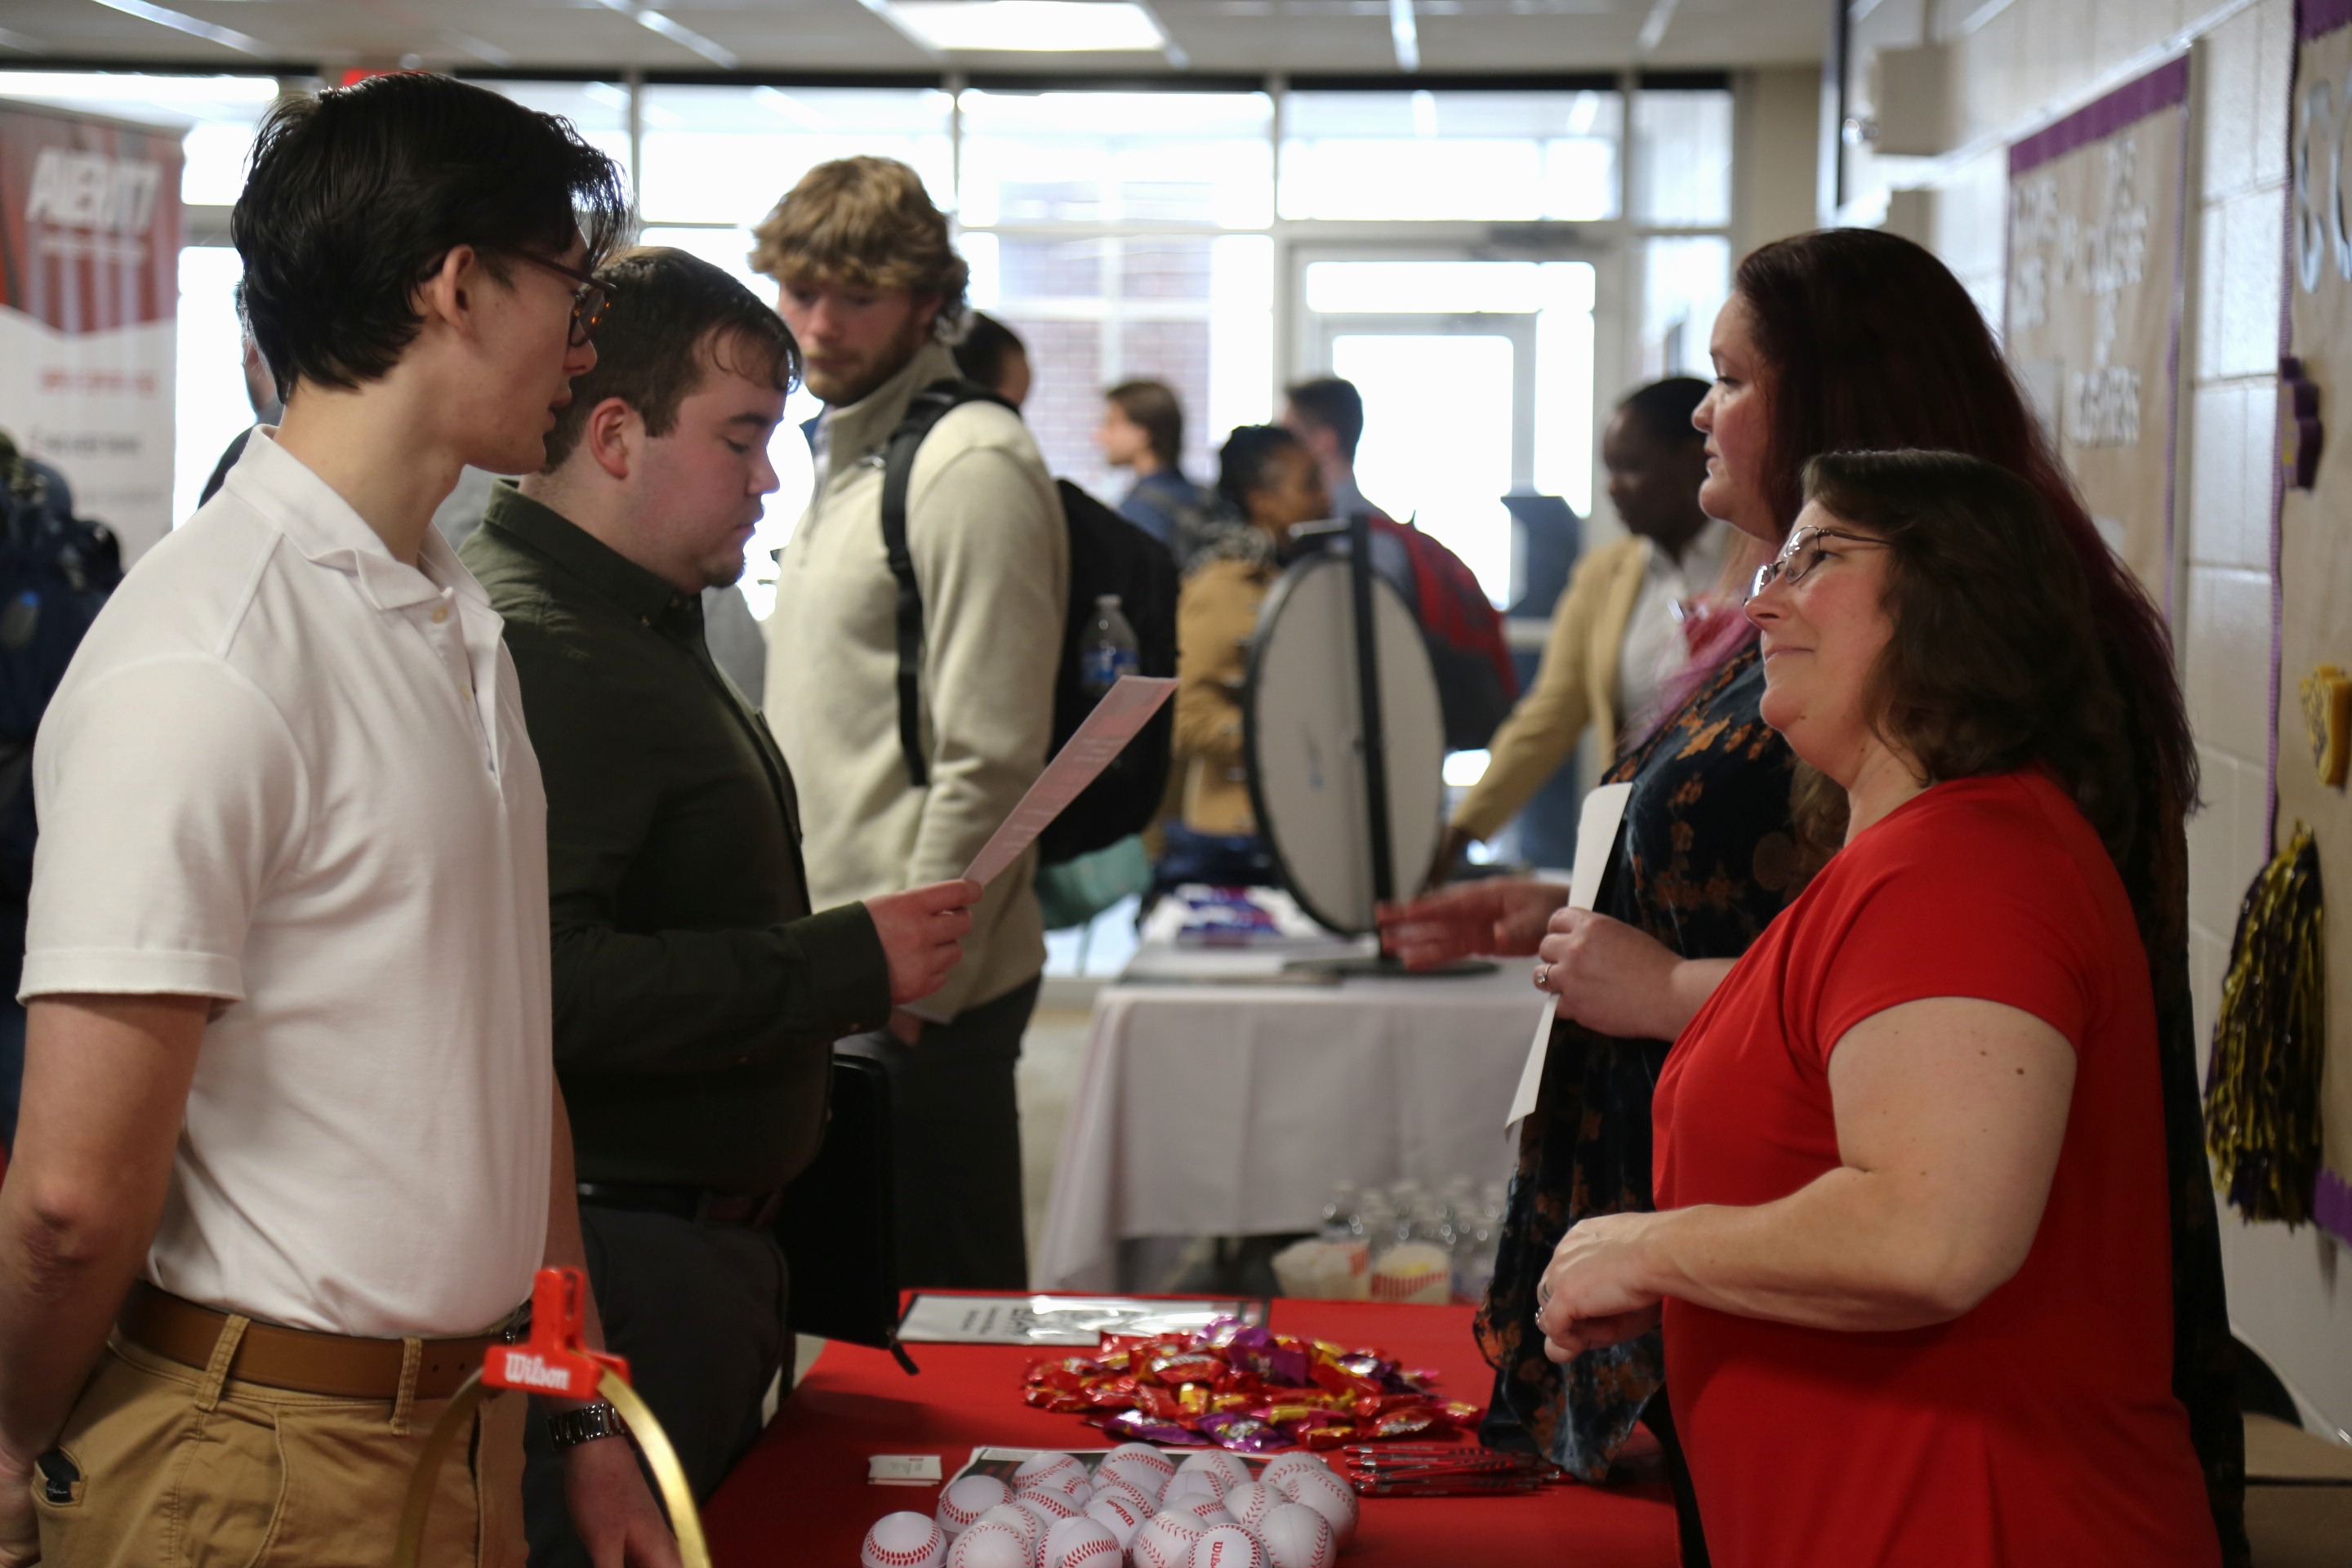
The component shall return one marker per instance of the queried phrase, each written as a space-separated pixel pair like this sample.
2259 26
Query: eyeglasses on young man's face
588 300
1804 551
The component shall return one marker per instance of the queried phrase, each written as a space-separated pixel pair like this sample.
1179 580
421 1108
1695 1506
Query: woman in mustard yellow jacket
1271 483
1616 638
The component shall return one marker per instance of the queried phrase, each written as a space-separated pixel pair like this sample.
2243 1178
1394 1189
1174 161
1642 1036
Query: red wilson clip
555 1360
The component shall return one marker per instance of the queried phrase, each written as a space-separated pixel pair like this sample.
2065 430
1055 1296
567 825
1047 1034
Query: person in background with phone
697 997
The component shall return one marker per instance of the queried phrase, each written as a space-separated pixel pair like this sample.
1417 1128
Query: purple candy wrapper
1245 1434
1136 1426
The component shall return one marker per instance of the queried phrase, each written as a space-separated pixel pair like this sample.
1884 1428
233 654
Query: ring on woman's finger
1543 1293
1543 974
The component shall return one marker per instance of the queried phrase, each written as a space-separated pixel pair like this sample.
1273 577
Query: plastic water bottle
1109 650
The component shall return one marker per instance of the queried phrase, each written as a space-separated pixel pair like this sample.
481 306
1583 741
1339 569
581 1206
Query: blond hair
866 222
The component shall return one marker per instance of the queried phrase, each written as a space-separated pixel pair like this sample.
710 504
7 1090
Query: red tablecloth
801 1496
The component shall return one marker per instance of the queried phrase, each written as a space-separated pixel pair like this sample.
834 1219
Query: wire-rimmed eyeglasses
1800 555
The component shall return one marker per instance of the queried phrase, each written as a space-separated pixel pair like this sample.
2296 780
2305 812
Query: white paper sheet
1125 709
1596 840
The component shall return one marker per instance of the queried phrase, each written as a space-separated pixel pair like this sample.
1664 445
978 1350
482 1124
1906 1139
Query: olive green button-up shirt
697 998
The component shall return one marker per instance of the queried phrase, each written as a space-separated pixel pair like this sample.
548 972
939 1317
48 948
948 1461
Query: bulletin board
2096 207
2312 548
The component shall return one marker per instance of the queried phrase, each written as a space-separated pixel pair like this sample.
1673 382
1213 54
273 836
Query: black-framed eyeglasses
588 300
1800 555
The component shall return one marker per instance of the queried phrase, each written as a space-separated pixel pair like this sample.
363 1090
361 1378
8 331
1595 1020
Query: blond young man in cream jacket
1615 635
867 278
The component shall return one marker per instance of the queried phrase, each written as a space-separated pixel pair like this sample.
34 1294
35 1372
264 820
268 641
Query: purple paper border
2166 87
2331 1206
2319 17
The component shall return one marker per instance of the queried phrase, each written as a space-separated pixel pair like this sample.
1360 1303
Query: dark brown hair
1993 664
1873 346
672 317
1152 407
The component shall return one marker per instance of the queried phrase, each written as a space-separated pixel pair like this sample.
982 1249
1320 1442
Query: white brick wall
2014 69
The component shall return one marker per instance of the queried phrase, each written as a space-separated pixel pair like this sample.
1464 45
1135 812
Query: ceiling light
1085 26
1404 34
131 87
180 21
677 32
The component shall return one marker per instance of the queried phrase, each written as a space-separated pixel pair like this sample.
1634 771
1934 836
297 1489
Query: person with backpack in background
1476 682
872 289
1142 430
1272 483
56 571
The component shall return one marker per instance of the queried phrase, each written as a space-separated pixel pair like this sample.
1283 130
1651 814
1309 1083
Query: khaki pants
180 1468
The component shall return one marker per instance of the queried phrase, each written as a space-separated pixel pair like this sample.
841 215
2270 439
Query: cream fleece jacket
992 559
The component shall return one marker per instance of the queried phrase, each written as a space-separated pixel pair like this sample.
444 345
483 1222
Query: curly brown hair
866 222
1993 664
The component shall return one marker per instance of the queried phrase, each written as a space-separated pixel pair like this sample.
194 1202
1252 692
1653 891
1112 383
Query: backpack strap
927 408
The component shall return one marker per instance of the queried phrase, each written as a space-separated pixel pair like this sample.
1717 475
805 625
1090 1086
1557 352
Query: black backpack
1108 554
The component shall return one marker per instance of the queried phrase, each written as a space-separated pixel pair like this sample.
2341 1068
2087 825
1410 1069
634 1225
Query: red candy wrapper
1245 1388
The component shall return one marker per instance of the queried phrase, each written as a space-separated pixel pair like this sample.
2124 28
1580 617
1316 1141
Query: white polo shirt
290 772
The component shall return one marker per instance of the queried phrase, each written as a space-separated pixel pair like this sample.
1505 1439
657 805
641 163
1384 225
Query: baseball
1050 1506
1188 1485
1211 1511
904 1541
1166 1542
992 1543
1251 1501
1147 1479
1039 1468
1133 1488
1082 1543
1144 1454
1298 1537
1117 1514
1021 1521
1328 1495
966 1498
1225 1470
1291 1464
1228 1546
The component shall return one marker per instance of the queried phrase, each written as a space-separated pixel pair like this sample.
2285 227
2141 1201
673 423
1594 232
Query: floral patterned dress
1706 860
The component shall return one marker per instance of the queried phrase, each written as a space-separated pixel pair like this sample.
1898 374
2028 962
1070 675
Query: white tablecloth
1231 1109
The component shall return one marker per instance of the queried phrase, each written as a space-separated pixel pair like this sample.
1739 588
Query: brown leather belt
297 1358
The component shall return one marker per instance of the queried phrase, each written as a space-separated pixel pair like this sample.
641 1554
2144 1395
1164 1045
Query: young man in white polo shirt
289 1076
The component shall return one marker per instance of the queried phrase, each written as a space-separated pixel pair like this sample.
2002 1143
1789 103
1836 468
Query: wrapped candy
1245 1388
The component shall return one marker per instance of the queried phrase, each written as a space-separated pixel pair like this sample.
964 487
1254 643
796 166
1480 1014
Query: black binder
835 1224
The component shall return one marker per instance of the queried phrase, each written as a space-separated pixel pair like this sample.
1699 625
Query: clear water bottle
1341 1216
1109 650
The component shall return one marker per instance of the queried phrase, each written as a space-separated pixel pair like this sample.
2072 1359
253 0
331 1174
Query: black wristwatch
585 1425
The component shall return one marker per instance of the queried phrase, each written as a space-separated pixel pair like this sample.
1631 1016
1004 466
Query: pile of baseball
1139 1509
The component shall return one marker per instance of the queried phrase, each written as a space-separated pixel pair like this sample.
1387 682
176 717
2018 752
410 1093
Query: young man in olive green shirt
697 997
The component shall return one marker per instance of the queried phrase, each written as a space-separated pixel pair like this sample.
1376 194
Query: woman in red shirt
1913 1247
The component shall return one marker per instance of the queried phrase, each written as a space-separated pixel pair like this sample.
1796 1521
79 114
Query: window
1493 156
727 154
1683 174
1118 158
1115 255
1685 283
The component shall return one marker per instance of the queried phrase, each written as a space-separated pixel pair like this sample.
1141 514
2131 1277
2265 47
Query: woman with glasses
1912 1247
1844 340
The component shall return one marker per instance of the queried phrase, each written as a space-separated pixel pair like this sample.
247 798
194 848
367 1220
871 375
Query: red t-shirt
2041 1426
